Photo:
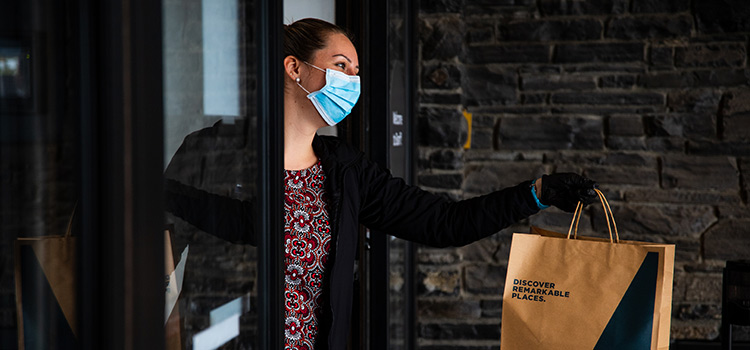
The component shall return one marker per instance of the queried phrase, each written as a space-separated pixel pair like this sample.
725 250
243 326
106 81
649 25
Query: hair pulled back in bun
302 38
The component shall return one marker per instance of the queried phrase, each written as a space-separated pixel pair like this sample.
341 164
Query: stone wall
647 97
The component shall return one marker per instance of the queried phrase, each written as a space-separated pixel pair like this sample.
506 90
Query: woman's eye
341 65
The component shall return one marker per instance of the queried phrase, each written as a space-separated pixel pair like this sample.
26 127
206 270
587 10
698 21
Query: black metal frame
376 103
269 15
412 74
349 14
121 216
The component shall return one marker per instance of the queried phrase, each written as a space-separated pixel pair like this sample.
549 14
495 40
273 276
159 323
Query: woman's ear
292 67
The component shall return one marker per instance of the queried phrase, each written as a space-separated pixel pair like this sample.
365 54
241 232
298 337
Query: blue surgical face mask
337 98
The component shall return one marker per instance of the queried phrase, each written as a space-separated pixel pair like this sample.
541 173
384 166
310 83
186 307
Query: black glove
565 190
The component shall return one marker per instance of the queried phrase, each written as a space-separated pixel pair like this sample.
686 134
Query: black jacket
361 192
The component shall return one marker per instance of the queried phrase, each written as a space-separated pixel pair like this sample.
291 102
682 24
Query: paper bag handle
607 214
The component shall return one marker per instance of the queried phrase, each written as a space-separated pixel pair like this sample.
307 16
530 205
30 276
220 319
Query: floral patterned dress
307 236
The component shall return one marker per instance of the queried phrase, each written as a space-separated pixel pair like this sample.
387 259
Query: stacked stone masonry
650 98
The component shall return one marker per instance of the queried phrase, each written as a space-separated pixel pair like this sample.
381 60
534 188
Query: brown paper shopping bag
46 290
569 292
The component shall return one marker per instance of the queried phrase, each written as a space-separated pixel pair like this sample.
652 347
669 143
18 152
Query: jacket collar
333 150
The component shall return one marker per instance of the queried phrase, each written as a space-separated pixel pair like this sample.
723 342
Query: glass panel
211 171
39 161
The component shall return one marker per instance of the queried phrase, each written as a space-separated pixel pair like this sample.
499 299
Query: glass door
222 174
210 134
99 103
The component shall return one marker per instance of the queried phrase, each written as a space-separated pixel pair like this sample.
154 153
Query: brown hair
302 38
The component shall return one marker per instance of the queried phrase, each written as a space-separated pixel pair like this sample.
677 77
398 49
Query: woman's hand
565 190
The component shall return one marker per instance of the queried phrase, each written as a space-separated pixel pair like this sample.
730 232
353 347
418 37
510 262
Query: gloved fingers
587 191
587 196
565 190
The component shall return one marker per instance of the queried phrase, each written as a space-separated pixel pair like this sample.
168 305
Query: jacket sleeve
408 212
224 217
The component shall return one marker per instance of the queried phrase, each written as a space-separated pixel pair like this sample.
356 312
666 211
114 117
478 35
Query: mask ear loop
300 85
314 66
311 65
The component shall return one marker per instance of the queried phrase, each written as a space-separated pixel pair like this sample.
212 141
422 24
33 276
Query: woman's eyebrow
347 58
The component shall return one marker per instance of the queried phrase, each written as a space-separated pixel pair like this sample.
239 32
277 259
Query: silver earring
297 80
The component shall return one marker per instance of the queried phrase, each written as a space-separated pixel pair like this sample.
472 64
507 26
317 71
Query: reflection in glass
210 138
15 80
39 167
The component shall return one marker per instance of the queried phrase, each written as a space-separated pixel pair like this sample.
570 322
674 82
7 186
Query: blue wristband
536 199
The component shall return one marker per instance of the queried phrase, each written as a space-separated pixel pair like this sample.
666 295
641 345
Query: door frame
121 211
368 20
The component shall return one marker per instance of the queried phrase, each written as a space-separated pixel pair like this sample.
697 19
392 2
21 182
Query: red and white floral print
307 244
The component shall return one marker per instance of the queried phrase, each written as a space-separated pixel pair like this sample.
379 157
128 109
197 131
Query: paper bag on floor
46 290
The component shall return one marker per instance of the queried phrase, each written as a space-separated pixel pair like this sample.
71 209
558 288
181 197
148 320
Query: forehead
338 44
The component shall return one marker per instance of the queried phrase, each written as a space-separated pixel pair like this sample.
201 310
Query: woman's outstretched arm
224 217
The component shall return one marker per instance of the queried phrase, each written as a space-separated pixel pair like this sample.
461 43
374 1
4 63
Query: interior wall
298 9
182 31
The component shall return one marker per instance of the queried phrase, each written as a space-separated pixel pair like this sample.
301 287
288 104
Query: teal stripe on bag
631 325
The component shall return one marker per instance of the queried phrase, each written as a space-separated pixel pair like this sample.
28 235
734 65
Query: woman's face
339 54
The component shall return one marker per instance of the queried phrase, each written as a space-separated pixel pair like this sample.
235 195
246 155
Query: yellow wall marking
467 115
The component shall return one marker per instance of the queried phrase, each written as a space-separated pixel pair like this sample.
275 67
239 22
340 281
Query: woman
331 189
